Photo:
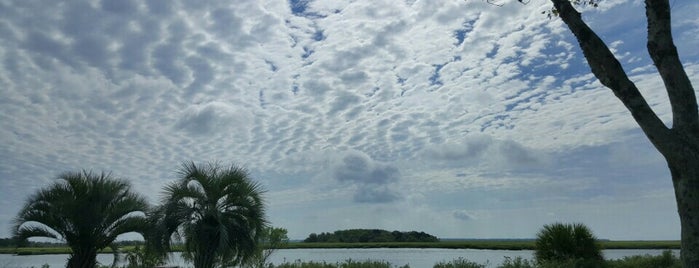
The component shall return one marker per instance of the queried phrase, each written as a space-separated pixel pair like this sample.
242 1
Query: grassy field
44 250
452 244
486 244
663 244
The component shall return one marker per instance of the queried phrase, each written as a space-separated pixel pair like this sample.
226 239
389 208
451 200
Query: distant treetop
370 235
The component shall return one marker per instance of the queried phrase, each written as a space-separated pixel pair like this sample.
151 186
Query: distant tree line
12 242
8 242
370 235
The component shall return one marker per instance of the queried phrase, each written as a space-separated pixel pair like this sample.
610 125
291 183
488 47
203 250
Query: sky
458 118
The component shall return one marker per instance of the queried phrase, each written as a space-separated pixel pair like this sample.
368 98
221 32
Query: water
415 257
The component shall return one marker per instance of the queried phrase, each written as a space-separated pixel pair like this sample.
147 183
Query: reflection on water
416 258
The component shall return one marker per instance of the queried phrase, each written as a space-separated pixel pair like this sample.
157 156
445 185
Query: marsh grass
460 263
517 262
452 244
666 260
346 264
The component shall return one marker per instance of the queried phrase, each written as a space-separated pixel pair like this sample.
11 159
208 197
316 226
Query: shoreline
449 244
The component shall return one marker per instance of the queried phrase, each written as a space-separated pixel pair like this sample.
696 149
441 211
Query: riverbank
449 244
487 244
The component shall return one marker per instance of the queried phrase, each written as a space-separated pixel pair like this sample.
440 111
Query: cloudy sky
457 118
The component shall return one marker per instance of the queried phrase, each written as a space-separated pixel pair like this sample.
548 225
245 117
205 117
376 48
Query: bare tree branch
611 74
666 59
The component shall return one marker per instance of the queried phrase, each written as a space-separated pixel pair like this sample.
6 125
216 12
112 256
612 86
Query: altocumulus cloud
343 108
488 153
372 180
214 117
463 215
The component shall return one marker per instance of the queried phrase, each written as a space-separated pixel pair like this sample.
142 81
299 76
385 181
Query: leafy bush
572 244
311 264
346 264
573 263
666 260
459 263
143 258
517 262
270 239
365 264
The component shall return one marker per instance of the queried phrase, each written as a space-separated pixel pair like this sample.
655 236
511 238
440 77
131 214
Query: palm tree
567 242
218 211
87 211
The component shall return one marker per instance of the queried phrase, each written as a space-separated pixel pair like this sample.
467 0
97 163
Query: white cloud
477 103
209 118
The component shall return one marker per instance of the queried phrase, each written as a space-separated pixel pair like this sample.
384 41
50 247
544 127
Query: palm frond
27 231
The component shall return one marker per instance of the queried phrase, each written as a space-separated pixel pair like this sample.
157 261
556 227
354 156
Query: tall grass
666 260
518 262
459 263
346 264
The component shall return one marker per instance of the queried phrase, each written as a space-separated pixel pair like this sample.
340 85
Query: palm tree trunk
205 257
82 258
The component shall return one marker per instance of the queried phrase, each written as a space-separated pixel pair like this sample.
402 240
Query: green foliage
345 264
311 264
459 263
10 242
572 263
273 238
565 242
666 260
517 262
142 258
269 240
370 236
218 211
87 211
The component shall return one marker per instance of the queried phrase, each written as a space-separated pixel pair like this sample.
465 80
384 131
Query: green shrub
143 258
345 264
572 244
517 262
311 264
573 263
459 263
364 264
666 260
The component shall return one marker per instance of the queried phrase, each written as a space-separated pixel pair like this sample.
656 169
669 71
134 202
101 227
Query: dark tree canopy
370 235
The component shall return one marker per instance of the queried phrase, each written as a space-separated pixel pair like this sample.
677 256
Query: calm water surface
416 258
